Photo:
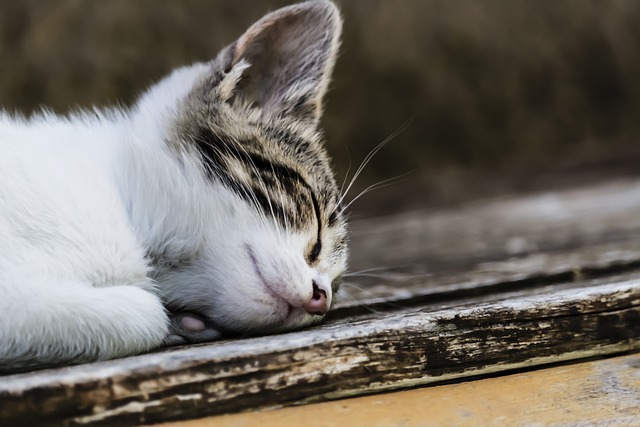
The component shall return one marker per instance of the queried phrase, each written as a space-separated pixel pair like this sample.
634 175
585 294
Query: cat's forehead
279 166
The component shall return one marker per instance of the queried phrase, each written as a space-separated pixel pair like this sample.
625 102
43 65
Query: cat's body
208 209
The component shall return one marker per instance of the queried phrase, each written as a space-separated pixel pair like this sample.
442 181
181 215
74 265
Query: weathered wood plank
410 285
493 230
484 288
406 348
602 392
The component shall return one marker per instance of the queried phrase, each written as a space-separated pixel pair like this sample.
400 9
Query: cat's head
258 242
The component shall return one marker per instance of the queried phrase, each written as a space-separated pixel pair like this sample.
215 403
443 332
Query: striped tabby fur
207 210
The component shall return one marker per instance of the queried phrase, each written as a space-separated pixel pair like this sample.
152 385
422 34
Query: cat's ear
283 63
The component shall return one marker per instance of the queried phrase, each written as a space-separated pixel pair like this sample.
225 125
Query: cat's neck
162 191
129 149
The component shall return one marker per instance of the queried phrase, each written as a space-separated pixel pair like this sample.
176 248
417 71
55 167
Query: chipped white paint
492 369
351 350
571 395
101 414
194 396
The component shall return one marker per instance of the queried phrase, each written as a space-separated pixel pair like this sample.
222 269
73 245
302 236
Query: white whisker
371 155
346 174
350 298
366 270
384 183
354 285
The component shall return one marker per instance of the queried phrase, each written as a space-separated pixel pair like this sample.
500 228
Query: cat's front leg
46 322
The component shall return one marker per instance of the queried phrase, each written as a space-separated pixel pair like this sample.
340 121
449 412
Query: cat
207 210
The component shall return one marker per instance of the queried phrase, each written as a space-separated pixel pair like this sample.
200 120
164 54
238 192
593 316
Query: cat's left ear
283 63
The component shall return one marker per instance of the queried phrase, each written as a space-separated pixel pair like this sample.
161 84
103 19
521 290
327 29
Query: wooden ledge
603 392
460 303
346 358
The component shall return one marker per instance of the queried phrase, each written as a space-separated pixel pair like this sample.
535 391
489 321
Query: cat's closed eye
315 252
198 214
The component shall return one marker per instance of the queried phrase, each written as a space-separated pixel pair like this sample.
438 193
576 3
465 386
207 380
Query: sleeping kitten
207 210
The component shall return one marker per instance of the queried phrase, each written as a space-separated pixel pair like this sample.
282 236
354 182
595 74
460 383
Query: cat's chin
299 318
285 320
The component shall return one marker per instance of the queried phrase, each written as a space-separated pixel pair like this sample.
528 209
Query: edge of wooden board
398 350
596 392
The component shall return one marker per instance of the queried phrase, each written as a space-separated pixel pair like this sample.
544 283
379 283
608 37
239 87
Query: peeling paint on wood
458 312
359 356
595 393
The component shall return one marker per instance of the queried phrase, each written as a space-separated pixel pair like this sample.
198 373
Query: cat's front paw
188 327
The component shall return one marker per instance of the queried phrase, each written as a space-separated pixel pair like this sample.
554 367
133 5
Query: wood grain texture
480 246
595 393
348 358
493 230
453 309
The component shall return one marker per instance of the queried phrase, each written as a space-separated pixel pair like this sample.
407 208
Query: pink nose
318 303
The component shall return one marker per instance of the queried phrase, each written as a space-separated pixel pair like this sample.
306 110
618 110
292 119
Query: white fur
73 276
87 200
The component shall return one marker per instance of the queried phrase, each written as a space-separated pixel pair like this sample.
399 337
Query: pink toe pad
192 324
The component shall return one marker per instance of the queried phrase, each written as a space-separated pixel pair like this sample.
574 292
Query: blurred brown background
503 96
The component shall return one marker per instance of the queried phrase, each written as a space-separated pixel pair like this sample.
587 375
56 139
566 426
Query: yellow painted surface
603 392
